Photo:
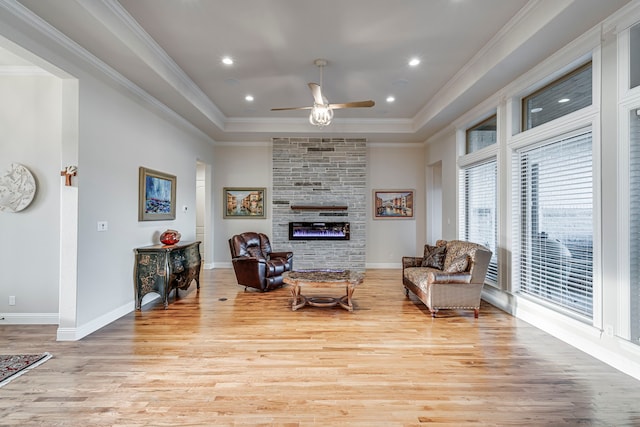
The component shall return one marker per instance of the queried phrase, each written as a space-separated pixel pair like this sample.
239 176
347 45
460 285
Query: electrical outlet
103 225
12 300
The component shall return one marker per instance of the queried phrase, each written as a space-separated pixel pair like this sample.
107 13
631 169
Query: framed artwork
156 196
244 202
392 204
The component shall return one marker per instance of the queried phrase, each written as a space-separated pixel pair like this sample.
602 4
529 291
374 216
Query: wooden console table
162 268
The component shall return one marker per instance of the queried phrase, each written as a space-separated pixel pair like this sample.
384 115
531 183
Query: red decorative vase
170 237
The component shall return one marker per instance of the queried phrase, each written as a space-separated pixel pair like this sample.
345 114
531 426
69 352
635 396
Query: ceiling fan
321 110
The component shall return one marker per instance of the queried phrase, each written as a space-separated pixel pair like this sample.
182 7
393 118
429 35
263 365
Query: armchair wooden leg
406 291
476 312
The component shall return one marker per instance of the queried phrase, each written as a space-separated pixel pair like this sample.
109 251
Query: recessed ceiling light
563 100
413 62
248 98
390 98
536 110
227 60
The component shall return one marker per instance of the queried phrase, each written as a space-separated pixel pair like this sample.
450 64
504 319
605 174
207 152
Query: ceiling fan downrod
321 114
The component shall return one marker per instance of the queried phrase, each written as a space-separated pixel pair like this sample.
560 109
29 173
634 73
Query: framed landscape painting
392 204
244 202
156 196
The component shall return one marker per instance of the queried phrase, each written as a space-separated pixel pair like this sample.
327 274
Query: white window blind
634 226
479 206
554 222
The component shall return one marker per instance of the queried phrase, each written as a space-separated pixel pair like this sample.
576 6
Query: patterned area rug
12 366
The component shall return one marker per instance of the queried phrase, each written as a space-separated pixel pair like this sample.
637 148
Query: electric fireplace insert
318 231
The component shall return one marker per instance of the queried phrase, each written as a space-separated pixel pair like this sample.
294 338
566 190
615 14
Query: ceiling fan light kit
321 115
322 112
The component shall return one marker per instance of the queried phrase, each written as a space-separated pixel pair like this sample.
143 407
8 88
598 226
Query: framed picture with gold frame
156 195
244 202
393 204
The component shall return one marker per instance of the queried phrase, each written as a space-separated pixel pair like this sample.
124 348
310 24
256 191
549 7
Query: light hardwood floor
223 356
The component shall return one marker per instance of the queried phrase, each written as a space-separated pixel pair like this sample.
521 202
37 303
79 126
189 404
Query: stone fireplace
320 180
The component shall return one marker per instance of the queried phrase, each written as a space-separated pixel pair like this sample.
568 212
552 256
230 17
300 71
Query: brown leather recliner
255 264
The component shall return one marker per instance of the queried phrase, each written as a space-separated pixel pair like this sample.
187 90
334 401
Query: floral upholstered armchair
256 265
450 275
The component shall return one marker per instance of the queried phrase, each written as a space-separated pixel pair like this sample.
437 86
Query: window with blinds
554 220
479 207
634 224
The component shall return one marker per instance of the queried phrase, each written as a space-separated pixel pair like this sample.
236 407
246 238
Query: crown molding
510 38
32 20
241 144
22 70
396 144
302 125
123 26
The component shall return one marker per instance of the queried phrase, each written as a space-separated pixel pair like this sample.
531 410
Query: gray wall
86 119
314 171
30 120
388 166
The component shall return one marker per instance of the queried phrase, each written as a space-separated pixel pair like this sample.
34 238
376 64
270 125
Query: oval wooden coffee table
322 279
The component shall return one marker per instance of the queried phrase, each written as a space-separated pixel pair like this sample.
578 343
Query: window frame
562 78
518 220
630 51
584 49
493 151
474 127
625 220
462 208
629 101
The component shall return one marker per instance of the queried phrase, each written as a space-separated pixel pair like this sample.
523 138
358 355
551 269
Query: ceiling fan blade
317 93
355 104
291 108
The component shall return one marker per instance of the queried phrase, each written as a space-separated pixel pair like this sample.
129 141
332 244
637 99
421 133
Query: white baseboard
75 334
383 265
208 266
29 318
222 265
498 298
608 349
